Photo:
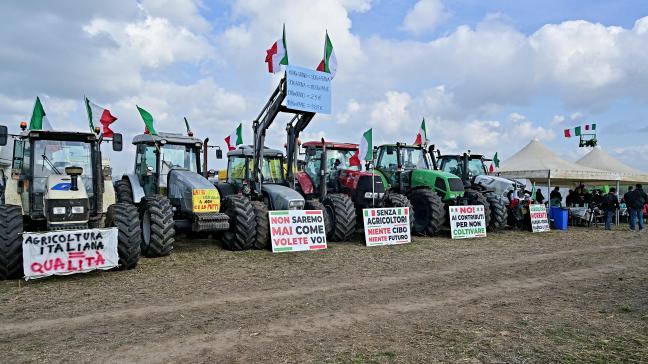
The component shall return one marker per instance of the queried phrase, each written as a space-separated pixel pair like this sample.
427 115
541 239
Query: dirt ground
577 296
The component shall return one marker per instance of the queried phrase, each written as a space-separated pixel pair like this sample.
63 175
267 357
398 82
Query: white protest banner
467 222
386 226
539 219
69 251
297 230
308 90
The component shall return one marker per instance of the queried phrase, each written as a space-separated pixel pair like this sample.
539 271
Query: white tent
537 163
599 159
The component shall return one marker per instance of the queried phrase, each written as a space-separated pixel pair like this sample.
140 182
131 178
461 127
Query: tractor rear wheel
498 211
262 236
343 217
429 212
11 229
242 231
477 198
124 191
126 219
313 204
158 233
397 200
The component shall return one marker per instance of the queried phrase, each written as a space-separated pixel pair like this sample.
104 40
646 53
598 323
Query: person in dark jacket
555 197
609 204
636 201
625 195
539 196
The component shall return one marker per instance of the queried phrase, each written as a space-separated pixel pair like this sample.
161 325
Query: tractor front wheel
158 233
477 198
262 237
126 219
11 229
498 211
313 204
343 216
243 230
124 191
429 212
397 200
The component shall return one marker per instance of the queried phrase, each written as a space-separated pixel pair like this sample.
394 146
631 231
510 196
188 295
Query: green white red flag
277 54
329 61
421 137
99 115
236 138
365 152
148 121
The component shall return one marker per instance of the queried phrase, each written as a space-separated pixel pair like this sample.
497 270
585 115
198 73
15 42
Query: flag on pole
39 119
593 126
491 169
329 61
366 146
587 127
187 125
277 54
577 131
567 133
496 160
236 138
533 192
421 137
99 115
148 121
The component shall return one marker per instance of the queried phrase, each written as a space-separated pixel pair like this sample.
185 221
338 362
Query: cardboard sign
297 230
69 252
539 219
386 226
205 200
467 222
308 90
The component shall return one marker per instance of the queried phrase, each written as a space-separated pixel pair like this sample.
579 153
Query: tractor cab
454 164
337 158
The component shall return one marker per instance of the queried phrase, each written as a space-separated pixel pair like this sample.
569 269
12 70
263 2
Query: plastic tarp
538 164
599 159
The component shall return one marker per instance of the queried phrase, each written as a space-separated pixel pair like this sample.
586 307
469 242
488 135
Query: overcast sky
486 75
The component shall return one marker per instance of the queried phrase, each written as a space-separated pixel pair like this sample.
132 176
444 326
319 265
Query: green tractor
412 170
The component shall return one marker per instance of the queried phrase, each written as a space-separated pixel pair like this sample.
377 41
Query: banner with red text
539 219
386 226
297 230
69 252
467 222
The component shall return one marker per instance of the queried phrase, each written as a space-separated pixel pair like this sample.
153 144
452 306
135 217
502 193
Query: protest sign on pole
308 90
539 219
467 222
69 252
386 226
297 230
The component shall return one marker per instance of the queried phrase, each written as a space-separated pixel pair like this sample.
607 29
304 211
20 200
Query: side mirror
3 135
310 151
219 153
117 142
390 150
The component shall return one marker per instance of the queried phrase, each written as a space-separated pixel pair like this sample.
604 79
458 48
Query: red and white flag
329 61
236 138
277 54
99 115
421 137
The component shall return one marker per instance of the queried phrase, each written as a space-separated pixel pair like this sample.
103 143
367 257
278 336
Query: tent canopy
537 163
599 159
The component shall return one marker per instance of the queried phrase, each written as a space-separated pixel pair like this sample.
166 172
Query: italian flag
236 138
365 152
421 137
148 121
590 127
99 115
329 61
277 54
568 133
39 119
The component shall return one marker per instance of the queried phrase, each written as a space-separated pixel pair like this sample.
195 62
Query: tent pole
618 212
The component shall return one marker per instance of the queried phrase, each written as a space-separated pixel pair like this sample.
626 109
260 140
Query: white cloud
391 114
424 16
352 108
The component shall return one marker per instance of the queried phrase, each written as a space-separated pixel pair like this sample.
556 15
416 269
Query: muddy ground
577 296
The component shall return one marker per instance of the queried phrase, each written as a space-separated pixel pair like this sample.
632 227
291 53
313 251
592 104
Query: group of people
636 201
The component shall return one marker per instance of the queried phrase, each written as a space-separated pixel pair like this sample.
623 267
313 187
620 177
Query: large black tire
343 216
477 198
262 236
11 229
242 231
156 218
498 211
125 218
313 204
123 191
429 212
393 199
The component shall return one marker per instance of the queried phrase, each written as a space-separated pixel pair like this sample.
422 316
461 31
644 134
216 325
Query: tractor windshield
414 158
53 156
341 159
271 169
455 166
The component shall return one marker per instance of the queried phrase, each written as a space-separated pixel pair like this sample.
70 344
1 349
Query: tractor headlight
77 209
374 195
295 204
58 210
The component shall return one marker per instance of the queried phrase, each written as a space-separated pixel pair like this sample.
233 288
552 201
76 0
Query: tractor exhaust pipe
323 169
204 163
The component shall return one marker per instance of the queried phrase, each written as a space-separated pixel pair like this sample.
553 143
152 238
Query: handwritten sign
308 90
467 222
205 200
297 230
69 252
539 219
386 226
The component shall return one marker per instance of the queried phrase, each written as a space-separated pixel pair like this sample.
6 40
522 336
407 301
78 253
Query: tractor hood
452 185
181 184
62 205
282 197
500 185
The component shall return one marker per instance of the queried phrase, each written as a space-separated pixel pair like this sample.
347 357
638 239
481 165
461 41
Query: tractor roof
403 145
171 138
472 156
332 145
248 151
59 135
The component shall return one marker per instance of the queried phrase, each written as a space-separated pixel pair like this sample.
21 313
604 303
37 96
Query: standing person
555 197
539 196
636 201
610 204
625 195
